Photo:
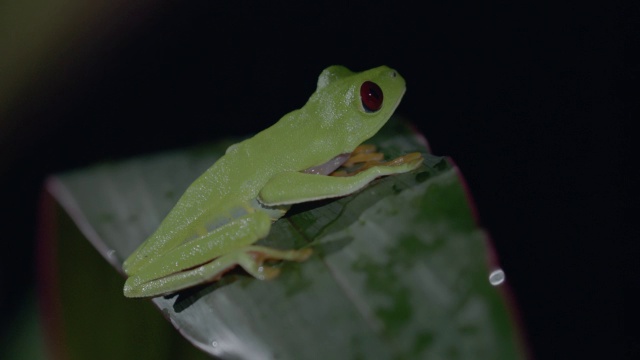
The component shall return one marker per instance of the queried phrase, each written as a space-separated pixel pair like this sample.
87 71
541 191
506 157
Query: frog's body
232 205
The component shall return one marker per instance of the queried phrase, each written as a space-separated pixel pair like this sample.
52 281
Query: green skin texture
233 204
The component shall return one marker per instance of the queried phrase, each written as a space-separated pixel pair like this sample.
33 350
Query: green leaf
400 270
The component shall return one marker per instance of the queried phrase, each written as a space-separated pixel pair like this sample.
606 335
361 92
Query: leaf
399 270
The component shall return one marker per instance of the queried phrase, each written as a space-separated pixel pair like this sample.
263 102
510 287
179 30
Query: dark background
534 102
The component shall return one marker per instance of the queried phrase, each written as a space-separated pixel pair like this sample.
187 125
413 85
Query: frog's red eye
371 96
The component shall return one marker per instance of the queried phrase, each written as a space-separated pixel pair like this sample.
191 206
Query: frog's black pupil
371 96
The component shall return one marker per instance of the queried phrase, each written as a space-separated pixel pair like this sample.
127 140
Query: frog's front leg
365 153
366 156
207 258
295 187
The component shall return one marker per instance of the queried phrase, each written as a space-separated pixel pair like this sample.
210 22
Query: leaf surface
400 269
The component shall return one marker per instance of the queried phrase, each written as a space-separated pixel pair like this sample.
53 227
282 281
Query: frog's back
219 190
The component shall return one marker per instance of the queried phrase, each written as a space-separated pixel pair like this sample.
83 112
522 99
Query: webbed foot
365 157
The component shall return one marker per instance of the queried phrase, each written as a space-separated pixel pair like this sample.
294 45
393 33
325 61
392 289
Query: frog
215 224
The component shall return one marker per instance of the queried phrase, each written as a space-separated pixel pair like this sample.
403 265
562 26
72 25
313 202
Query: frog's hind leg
251 259
227 247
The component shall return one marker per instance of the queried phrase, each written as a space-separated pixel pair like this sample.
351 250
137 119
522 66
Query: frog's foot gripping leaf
252 259
365 157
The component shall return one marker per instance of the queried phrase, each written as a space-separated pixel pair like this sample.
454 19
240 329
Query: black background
534 102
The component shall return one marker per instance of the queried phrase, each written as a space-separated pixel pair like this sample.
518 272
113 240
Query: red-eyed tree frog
232 205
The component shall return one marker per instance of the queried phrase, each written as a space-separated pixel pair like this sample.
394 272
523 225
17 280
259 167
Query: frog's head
352 107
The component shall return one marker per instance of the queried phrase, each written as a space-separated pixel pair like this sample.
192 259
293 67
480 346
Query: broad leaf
399 270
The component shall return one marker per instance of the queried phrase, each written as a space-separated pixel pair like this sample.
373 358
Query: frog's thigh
225 239
164 272
251 258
